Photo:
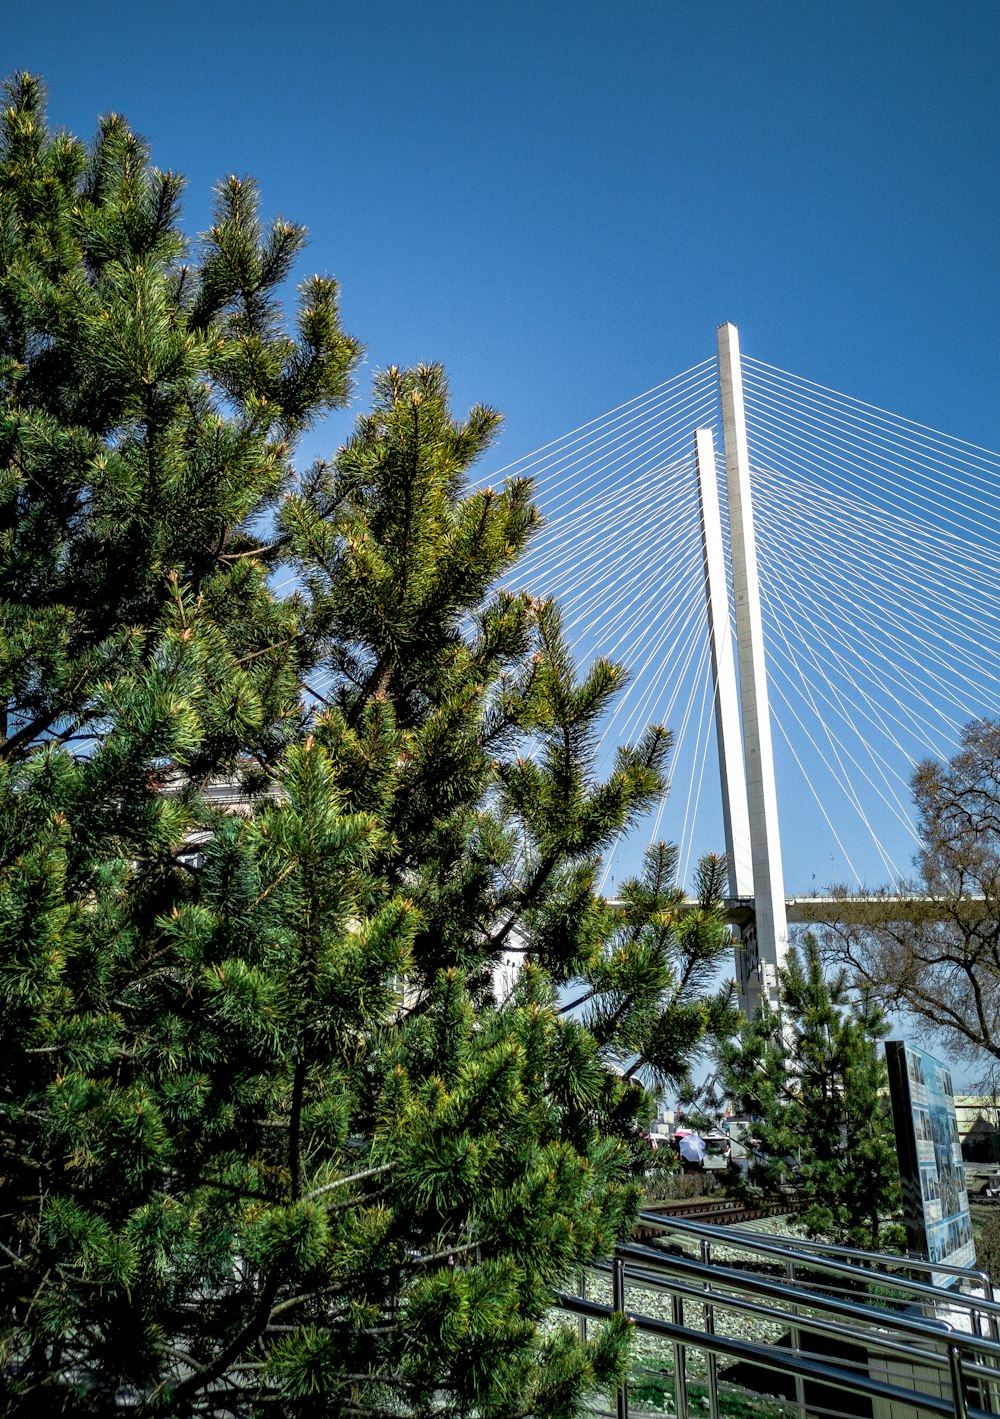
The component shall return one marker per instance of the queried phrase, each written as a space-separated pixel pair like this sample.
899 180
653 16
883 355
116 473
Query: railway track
726 1211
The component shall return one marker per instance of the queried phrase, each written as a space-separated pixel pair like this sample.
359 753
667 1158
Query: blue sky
562 201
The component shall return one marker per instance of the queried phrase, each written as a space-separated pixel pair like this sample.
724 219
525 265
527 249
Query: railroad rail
724 1211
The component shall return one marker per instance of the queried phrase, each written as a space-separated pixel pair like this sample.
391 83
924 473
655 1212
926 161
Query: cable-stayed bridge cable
880 587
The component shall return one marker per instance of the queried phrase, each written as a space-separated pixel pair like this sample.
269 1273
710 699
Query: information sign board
935 1202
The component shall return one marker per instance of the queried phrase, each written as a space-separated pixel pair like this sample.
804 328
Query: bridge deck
852 910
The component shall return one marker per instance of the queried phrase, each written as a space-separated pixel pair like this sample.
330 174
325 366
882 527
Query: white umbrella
692 1148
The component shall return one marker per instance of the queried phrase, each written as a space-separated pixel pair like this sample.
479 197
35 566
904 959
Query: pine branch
529 895
376 684
349 1181
276 546
30 731
447 1254
205 1374
295 1130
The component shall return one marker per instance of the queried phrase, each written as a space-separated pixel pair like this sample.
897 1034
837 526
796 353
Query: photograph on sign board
935 1200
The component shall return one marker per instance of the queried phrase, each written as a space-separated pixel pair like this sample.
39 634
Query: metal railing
941 1343
851 1262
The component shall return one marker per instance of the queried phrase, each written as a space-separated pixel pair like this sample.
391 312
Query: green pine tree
812 1079
281 1129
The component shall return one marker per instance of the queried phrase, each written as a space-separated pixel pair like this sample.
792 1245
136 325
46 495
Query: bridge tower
750 802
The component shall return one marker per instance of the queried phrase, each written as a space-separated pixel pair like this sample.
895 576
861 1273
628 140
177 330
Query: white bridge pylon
758 909
750 798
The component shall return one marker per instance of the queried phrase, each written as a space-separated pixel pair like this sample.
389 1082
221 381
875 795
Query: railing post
795 1337
708 1311
993 1333
680 1362
958 1403
618 1304
985 1387
581 1291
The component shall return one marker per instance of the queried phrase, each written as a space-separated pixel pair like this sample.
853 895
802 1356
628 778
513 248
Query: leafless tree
932 950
